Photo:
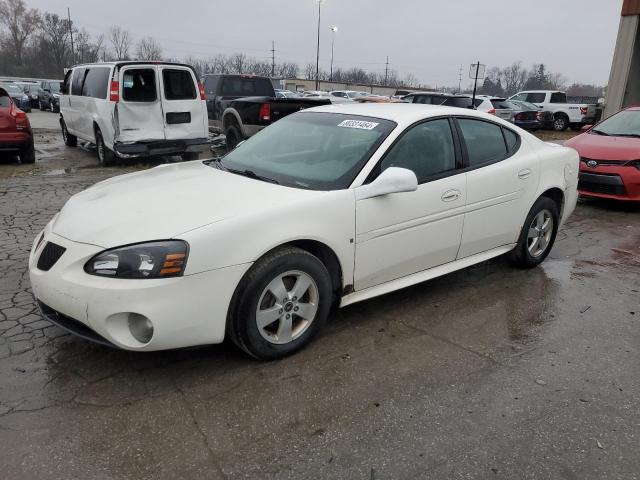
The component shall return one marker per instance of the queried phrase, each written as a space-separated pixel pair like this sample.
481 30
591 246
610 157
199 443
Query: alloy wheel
540 232
287 307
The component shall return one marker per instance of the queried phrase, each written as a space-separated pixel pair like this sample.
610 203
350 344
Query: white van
135 109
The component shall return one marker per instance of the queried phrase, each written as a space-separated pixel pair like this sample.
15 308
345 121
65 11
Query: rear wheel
576 127
105 156
560 123
538 234
233 136
280 304
69 140
28 153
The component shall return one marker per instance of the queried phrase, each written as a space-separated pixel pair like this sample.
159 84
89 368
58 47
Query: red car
610 157
15 130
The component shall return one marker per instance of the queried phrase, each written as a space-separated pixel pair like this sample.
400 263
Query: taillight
202 94
114 91
22 122
540 115
519 116
492 111
584 110
265 112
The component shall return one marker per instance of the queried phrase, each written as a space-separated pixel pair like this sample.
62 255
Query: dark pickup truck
242 105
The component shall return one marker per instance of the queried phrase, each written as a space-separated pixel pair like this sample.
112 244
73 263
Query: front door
404 233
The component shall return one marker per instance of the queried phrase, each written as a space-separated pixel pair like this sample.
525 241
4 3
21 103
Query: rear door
184 112
139 115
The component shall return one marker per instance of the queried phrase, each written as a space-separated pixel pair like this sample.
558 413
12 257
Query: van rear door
185 113
139 111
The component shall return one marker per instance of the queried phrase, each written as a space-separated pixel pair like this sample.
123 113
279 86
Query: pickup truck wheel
69 140
105 156
233 136
560 123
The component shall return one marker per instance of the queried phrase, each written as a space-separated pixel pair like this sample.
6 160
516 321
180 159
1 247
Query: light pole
333 29
318 49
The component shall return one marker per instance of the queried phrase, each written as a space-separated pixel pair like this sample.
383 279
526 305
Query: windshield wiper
599 132
632 135
252 174
215 162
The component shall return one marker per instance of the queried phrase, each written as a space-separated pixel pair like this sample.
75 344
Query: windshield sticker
362 125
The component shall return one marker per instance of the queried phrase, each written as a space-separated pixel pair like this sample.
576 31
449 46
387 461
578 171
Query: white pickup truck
574 115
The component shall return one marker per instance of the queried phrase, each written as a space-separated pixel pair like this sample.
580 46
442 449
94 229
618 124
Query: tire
69 140
105 156
233 136
530 251
188 156
28 153
576 127
280 331
560 123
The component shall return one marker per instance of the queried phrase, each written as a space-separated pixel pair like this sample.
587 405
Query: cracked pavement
490 372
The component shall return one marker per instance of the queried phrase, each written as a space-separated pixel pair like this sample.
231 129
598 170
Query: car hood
164 202
599 147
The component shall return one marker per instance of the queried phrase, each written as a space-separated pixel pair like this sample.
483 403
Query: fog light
140 327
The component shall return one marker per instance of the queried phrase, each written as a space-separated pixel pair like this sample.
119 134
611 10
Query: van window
211 84
178 84
139 85
96 82
76 82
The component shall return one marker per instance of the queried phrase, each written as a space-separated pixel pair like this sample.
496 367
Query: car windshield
54 87
623 124
313 150
12 88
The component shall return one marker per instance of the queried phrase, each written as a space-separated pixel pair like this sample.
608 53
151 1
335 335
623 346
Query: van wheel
281 304
69 140
28 153
233 136
538 234
105 156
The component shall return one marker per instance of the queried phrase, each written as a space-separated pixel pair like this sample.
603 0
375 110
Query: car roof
122 63
401 113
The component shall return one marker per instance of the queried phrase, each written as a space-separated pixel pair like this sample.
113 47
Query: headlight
143 260
25 97
55 95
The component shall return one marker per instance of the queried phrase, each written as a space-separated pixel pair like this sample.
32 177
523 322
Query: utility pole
318 50
386 71
273 58
333 29
73 55
460 81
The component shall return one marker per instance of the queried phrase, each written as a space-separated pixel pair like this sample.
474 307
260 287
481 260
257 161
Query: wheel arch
229 117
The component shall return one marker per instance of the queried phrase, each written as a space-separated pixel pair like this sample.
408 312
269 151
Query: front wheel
69 140
538 234
280 304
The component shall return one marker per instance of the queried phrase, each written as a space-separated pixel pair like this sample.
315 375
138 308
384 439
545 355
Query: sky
431 39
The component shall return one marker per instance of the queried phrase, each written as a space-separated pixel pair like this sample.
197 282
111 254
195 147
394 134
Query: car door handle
450 195
522 174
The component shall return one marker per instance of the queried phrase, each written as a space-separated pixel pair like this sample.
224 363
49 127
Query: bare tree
87 50
148 49
556 81
55 41
514 77
238 63
120 42
21 24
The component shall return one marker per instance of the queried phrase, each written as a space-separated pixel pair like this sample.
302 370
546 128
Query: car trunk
502 109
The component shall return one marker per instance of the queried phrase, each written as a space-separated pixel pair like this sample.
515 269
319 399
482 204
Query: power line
273 58
460 81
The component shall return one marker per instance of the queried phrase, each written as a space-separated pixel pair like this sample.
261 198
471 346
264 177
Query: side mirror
392 180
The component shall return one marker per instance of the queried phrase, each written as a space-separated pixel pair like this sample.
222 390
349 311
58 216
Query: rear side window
76 82
558 97
178 84
500 103
139 85
511 138
246 87
211 84
96 82
484 141
536 97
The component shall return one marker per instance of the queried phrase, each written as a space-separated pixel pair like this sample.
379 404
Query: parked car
340 204
565 114
33 91
545 118
21 99
135 109
50 96
496 106
348 95
462 101
15 130
610 157
524 116
315 93
242 105
426 98
286 94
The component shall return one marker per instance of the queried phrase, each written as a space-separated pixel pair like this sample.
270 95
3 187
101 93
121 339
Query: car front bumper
161 147
618 182
184 311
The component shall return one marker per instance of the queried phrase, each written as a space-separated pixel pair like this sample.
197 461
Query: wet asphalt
489 372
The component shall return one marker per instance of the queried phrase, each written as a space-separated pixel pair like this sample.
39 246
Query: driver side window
427 149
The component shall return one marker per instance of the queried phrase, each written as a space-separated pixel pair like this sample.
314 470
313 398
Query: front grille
51 253
603 162
599 183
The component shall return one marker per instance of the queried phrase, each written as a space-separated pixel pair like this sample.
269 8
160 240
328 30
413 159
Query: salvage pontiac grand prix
333 205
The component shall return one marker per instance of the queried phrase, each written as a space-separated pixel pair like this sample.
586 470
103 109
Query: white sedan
332 205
